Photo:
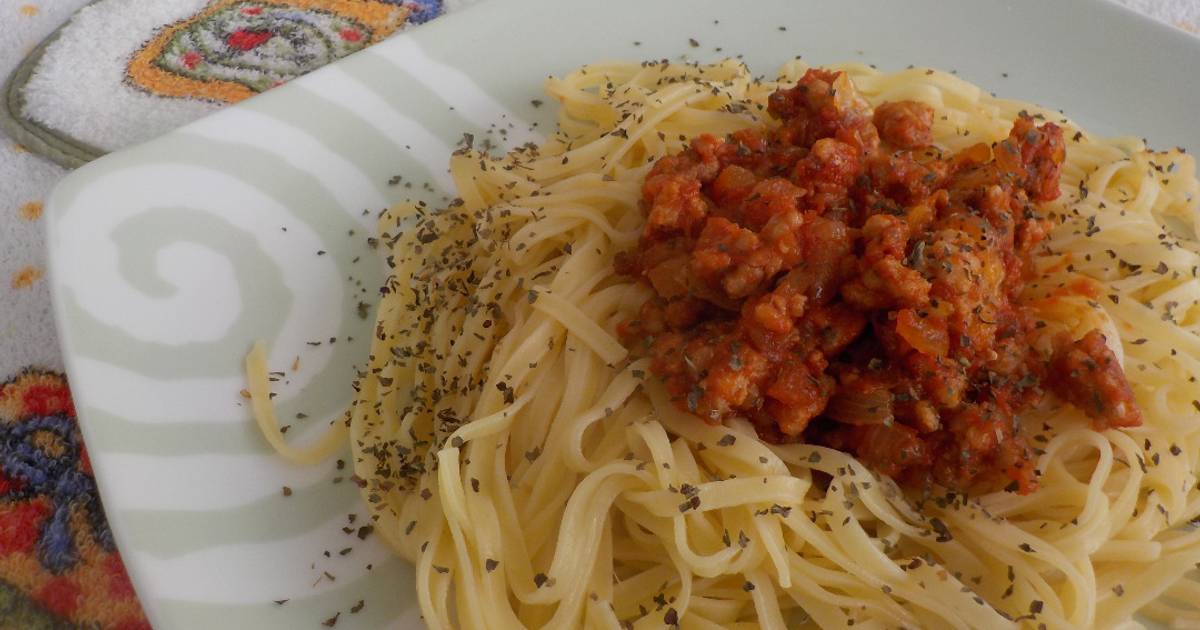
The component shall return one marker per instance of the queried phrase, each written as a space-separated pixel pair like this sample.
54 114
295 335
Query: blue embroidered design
56 476
422 10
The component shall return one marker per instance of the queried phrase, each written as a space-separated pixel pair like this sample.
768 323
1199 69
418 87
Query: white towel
27 336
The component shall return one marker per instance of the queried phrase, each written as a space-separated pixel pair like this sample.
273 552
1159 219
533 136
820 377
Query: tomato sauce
837 280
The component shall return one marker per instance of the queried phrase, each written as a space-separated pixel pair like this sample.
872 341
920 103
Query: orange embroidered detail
264 45
25 277
31 211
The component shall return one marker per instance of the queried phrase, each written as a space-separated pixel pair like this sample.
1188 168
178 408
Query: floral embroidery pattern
261 45
234 49
55 544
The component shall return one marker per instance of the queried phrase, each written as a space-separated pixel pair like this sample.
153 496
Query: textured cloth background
36 417
26 327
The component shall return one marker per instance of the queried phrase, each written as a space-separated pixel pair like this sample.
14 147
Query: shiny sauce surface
837 280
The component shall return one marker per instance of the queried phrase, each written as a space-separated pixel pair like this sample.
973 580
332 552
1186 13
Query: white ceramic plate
168 259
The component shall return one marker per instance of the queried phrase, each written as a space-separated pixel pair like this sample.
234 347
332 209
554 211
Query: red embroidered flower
60 596
119 585
252 11
85 461
350 34
20 525
247 40
47 399
191 58
9 485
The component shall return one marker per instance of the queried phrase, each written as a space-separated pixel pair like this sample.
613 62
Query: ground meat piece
829 166
822 97
827 245
831 329
676 206
905 124
904 178
1086 374
824 104
943 381
732 186
734 375
768 199
777 311
731 258
798 393
1035 154
923 332
884 280
890 449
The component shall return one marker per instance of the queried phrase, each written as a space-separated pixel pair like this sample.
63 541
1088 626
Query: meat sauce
838 281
